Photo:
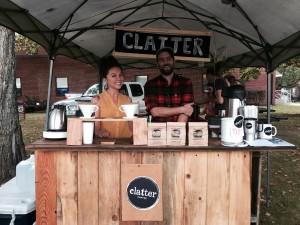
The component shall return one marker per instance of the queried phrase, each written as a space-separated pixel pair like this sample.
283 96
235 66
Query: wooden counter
80 185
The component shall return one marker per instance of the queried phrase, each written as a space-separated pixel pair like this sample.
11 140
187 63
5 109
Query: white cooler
17 196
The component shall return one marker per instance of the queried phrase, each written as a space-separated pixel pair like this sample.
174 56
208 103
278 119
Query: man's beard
165 71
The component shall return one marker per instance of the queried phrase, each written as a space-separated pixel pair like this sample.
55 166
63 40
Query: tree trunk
12 148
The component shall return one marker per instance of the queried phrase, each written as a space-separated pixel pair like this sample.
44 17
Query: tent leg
49 93
100 78
268 179
269 92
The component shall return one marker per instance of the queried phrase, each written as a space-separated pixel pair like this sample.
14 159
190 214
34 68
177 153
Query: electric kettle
57 118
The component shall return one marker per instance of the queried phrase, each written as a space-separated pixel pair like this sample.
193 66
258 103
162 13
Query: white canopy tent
252 32
245 33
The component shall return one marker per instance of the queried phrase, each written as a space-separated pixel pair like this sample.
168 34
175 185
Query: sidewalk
295 103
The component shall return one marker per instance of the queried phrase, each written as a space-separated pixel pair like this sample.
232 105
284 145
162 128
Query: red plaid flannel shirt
159 94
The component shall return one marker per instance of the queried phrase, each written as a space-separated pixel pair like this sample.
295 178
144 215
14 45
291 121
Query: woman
110 100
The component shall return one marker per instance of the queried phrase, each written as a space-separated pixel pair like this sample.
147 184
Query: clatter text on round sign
143 192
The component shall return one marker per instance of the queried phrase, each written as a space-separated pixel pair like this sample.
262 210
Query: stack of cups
88 127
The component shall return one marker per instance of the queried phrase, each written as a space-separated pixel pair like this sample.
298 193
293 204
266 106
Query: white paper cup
232 131
87 132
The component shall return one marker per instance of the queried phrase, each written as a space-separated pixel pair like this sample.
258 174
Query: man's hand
188 109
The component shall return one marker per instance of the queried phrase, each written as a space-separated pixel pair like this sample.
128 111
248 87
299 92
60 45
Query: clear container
25 174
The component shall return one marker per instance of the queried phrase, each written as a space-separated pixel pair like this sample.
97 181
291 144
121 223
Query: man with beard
168 97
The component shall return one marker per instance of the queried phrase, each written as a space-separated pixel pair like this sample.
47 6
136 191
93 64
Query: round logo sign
248 125
268 130
143 193
238 122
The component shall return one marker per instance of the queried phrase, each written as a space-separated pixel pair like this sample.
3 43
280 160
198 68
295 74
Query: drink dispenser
236 96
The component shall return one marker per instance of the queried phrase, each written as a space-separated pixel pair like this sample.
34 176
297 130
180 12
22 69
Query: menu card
274 142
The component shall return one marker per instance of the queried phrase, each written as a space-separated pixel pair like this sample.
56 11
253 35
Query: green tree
290 76
246 73
295 61
12 149
249 73
290 70
24 44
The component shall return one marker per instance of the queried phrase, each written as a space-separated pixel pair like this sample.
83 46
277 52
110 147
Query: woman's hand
103 133
95 99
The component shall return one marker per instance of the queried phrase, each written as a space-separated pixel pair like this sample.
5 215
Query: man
218 85
168 97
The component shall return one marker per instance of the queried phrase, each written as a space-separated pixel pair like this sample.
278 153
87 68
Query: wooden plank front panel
217 188
173 186
198 187
88 188
130 158
67 162
240 193
195 188
109 188
153 158
45 184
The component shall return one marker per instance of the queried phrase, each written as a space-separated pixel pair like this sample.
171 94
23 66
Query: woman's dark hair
107 63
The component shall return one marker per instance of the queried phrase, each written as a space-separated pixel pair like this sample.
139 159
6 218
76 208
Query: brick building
32 74
260 84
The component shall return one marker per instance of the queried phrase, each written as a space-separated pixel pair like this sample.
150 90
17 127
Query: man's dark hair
165 49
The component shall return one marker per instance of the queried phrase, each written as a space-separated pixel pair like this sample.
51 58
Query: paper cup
87 132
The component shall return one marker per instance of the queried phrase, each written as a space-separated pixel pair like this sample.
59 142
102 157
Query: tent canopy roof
245 33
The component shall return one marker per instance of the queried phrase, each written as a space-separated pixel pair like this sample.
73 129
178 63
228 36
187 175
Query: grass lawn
284 173
285 167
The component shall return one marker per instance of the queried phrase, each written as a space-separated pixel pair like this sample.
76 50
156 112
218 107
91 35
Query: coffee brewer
236 96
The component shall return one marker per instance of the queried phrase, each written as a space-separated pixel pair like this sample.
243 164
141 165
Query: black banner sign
195 46
143 193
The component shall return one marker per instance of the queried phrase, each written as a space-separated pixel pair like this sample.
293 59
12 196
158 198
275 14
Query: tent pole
52 56
269 92
49 92
100 79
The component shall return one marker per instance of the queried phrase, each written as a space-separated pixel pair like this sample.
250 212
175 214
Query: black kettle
57 120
